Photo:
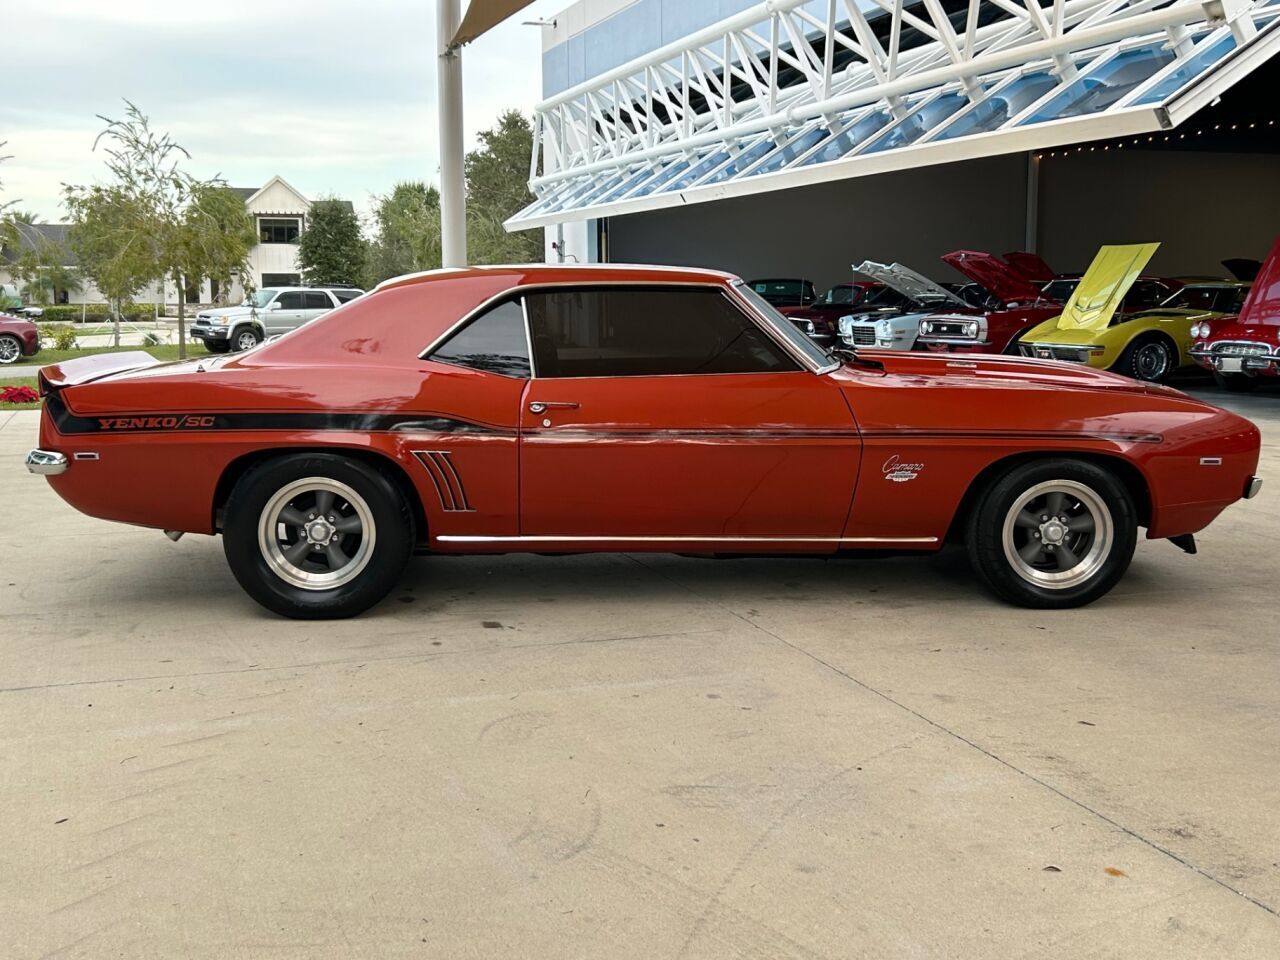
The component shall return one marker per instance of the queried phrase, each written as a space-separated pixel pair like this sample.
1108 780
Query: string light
1151 138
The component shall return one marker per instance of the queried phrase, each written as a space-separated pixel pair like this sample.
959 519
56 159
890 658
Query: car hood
1104 285
906 281
240 311
1003 371
994 275
1031 266
1262 306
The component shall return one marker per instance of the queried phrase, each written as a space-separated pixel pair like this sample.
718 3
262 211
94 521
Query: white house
280 215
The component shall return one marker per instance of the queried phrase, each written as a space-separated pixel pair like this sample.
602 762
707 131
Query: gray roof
32 236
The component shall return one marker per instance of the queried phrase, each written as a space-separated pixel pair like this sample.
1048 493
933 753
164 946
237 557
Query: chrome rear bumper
46 462
1251 487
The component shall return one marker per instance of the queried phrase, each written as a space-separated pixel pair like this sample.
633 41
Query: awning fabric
483 15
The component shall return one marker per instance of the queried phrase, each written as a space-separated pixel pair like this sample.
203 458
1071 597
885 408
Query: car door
315 303
669 413
286 313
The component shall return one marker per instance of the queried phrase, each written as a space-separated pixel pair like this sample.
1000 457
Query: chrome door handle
541 406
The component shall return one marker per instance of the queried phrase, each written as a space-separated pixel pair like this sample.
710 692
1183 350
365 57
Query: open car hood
993 274
906 281
1031 266
1103 286
1262 306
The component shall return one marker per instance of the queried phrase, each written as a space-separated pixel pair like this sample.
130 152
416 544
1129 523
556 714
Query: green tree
8 232
406 232
497 174
44 269
211 242
153 220
331 248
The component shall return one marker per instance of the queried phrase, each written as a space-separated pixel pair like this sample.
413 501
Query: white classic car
894 327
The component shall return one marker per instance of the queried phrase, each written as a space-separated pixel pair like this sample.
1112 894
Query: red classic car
18 338
1015 306
1241 349
574 408
819 318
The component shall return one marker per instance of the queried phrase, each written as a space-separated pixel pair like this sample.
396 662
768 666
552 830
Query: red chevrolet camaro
571 408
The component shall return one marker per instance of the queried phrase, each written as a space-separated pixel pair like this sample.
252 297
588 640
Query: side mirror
273 305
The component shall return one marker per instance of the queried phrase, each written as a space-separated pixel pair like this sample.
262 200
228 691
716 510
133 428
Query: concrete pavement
634 756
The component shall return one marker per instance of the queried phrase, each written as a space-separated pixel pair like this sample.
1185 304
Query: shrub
96 313
152 340
18 395
63 336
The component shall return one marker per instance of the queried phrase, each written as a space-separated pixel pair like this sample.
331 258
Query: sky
335 96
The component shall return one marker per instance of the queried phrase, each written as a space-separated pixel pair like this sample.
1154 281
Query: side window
290 301
317 301
345 296
494 342
646 331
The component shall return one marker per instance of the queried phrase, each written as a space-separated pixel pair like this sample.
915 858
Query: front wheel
1053 534
317 536
245 338
10 349
1148 360
216 346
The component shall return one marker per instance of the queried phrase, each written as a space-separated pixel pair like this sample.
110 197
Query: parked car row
1112 317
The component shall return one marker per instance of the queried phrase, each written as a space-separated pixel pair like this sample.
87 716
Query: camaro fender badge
155 423
897 471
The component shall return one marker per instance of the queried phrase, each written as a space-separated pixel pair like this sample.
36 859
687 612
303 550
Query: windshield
1223 299
261 298
785 327
840 295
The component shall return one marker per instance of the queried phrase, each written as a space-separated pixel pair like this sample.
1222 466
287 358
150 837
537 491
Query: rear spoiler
83 369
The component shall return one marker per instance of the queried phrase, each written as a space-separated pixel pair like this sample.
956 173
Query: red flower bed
18 395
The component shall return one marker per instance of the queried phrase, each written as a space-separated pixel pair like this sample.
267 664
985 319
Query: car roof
534 273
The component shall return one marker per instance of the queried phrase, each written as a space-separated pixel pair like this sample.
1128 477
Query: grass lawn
165 351
27 382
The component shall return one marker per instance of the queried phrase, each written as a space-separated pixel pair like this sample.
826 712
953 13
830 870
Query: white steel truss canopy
778 97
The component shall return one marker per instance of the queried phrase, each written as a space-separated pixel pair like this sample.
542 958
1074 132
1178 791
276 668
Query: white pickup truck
268 312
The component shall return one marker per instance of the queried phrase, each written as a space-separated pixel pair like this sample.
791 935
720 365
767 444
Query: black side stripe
68 423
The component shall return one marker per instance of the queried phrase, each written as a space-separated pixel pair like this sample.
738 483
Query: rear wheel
317 536
1150 360
1053 534
1235 382
10 349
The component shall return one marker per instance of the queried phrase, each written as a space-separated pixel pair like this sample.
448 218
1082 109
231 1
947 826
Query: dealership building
796 137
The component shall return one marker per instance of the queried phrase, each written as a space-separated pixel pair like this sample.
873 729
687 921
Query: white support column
453 210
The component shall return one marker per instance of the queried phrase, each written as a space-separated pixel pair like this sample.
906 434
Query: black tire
1149 359
1235 382
244 338
10 349
216 346
998 516
378 552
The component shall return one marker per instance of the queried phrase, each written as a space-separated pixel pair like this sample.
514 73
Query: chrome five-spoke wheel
1057 534
1053 533
317 533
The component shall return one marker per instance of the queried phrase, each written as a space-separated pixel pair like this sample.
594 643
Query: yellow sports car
1146 345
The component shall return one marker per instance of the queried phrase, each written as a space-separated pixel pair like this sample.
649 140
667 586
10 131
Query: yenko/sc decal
155 423
897 471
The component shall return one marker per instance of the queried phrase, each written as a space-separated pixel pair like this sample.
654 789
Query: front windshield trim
814 356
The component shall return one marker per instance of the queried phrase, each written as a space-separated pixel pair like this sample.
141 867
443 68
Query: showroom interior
1205 188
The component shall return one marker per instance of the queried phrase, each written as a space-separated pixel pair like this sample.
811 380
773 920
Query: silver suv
267 313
